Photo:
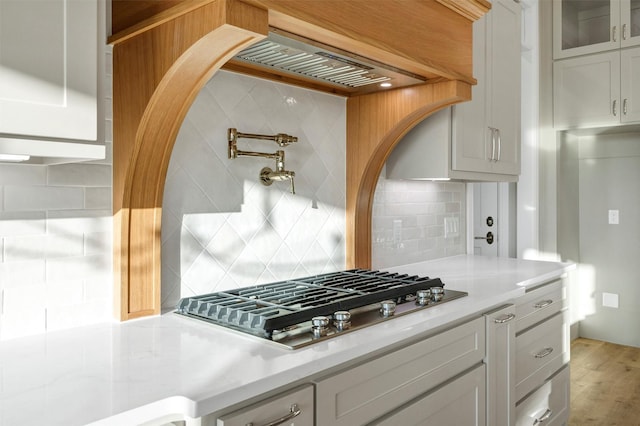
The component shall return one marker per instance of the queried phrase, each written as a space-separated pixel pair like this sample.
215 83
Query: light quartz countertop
133 372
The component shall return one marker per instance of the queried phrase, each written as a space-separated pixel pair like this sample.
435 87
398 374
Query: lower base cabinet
469 375
371 390
459 402
548 405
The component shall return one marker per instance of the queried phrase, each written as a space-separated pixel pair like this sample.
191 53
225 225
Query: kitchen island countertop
141 370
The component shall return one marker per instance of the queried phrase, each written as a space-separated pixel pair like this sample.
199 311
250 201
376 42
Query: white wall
609 179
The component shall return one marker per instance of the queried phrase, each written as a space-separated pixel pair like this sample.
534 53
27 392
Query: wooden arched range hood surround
165 51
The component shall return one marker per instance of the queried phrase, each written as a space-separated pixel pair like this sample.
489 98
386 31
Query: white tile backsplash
221 228
86 175
38 198
234 230
23 174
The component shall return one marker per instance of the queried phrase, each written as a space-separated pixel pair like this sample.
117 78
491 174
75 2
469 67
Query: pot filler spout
290 55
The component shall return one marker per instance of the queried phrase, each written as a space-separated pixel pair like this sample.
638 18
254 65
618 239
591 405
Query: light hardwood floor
605 384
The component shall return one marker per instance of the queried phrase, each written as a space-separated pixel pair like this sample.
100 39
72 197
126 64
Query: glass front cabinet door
582 27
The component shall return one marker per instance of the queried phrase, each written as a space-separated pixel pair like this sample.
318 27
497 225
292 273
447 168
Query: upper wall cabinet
598 90
582 27
477 140
48 71
486 131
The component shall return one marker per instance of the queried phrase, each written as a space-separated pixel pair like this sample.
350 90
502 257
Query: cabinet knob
615 108
614 35
624 31
624 106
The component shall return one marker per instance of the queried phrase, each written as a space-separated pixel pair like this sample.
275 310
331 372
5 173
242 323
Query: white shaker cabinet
542 356
478 140
597 90
486 131
585 27
444 406
381 389
630 85
49 69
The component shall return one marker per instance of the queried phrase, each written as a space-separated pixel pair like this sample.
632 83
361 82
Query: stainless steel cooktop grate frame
261 309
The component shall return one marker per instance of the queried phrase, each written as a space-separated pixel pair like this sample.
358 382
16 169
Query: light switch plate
614 217
610 300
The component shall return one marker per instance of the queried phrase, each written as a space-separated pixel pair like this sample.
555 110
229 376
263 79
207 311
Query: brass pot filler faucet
267 175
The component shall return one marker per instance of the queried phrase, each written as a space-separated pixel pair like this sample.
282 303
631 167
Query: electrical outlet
614 217
451 227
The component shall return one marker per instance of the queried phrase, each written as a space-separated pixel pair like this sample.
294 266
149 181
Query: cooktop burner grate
262 309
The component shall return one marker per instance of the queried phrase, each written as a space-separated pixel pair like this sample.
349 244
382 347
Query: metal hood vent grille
295 57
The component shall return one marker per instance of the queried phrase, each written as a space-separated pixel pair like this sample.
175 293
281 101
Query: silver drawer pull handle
544 352
504 318
543 304
295 412
544 417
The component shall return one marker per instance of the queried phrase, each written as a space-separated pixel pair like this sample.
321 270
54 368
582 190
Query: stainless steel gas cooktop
302 311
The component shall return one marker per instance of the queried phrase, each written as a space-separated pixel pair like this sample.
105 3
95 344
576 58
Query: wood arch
162 61
375 124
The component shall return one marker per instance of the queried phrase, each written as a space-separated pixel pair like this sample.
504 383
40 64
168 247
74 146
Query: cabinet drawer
540 352
460 402
549 405
539 304
370 390
273 408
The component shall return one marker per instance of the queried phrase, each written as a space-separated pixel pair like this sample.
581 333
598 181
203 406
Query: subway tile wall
408 221
56 243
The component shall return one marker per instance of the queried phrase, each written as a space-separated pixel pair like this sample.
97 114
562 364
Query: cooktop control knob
319 326
437 293
342 320
423 297
387 308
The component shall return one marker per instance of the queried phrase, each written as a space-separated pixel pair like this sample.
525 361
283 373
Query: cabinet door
501 365
458 403
583 27
486 130
586 91
471 138
504 71
48 68
630 84
370 390
630 22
